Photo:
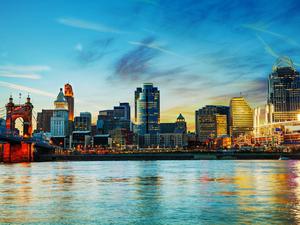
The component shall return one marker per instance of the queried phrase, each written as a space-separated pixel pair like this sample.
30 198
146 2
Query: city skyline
100 48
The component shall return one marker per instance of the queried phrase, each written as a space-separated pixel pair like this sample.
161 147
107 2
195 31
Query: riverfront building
284 90
147 115
83 122
60 118
211 122
117 118
147 106
69 96
241 117
44 120
173 135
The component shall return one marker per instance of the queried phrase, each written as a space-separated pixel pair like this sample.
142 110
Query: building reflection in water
147 197
151 192
260 189
15 193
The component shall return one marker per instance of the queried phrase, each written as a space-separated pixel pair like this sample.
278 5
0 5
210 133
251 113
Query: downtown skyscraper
284 90
147 115
147 109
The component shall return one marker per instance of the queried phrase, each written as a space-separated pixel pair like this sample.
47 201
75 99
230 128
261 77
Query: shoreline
170 156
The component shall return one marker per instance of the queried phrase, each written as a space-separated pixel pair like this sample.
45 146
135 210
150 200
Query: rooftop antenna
20 95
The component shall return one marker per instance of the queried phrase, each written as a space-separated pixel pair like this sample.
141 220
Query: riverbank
171 156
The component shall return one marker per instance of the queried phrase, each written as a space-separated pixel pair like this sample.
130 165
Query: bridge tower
18 149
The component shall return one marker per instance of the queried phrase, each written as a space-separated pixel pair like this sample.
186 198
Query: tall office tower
69 96
147 106
284 90
60 118
137 93
211 122
83 122
241 117
44 120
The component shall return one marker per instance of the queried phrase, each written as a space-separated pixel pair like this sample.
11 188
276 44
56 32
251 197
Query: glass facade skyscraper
147 109
284 90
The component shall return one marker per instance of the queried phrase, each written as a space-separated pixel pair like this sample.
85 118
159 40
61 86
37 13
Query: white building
59 121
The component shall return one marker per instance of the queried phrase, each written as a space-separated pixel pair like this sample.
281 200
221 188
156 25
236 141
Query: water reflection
154 192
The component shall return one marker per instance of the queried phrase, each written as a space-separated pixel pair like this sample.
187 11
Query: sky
195 52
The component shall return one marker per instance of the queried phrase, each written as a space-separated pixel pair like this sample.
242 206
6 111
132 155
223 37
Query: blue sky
196 52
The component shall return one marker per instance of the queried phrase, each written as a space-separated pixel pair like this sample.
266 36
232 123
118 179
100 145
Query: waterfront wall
169 156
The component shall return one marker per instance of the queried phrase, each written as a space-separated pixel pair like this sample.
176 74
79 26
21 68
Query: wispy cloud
25 76
22 68
270 50
87 25
262 28
26 89
93 51
23 71
136 62
154 46
267 47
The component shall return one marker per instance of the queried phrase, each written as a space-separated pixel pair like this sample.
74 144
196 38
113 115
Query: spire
10 99
283 62
28 99
61 102
180 118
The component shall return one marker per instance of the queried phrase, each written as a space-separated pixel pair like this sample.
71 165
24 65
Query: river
151 192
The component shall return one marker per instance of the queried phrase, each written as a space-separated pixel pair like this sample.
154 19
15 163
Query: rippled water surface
151 192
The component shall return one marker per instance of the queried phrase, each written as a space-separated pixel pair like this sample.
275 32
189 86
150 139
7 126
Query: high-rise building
60 118
211 122
105 121
69 96
118 118
83 122
122 111
147 109
284 90
44 120
241 117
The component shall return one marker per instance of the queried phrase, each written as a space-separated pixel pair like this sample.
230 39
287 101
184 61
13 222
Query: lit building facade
241 117
60 118
118 118
147 106
147 115
83 122
211 122
173 135
284 90
44 120
69 96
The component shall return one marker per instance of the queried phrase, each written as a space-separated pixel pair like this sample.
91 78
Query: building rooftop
60 96
283 62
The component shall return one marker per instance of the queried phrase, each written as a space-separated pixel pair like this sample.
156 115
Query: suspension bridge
18 145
